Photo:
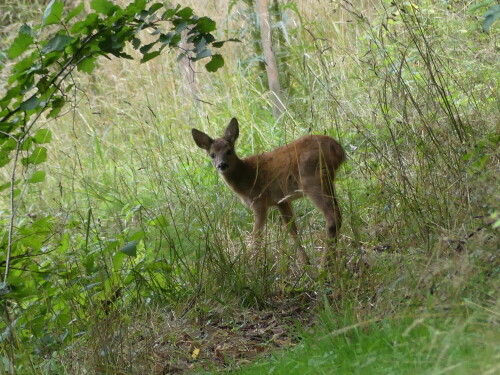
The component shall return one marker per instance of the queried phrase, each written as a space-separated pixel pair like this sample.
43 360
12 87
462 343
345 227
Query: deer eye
212 156
229 152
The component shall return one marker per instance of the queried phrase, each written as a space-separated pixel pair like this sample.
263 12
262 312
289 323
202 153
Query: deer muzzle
222 166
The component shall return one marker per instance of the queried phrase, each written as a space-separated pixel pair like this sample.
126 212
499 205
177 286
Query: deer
305 167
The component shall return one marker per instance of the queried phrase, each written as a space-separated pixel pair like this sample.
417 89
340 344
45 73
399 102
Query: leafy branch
102 33
46 56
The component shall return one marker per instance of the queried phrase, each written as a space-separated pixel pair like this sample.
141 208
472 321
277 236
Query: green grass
440 343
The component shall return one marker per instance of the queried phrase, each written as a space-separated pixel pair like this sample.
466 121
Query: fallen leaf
196 352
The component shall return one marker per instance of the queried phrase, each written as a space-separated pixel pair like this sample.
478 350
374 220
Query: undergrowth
427 344
411 91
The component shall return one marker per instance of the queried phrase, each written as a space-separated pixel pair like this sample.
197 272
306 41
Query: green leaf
111 44
221 43
38 176
6 185
130 249
200 45
87 65
205 25
26 29
154 8
11 93
103 6
145 49
90 22
137 236
124 55
477 6
149 56
47 12
216 62
136 7
7 127
57 43
136 43
209 38
42 136
43 85
75 12
21 43
38 156
9 145
185 13
202 54
4 160
181 26
26 144
169 13
141 4
165 38
30 103
57 105
53 13
491 16
118 259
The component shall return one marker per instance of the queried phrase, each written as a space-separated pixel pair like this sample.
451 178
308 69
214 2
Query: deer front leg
259 214
286 211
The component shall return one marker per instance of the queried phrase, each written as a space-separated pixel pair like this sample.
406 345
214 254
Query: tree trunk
189 79
270 58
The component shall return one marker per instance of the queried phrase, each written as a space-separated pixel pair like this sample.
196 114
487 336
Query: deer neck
241 178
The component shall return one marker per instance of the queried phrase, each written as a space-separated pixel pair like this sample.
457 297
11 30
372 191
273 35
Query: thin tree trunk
189 78
270 58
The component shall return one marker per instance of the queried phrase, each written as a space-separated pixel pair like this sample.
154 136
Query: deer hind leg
323 196
286 211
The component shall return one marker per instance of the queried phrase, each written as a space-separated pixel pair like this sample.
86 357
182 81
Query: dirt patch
161 343
221 344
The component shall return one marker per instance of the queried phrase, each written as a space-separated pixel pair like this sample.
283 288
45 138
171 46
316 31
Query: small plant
46 57
490 16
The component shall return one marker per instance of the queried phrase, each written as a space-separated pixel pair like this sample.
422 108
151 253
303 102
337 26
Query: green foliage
45 56
21 43
53 13
399 345
490 16
38 156
38 176
130 249
36 81
215 63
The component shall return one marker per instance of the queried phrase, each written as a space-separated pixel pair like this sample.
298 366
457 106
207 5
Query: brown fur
304 167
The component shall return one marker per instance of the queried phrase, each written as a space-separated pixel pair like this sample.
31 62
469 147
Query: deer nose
222 166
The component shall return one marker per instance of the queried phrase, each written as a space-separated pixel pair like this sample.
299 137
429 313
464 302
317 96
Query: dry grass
161 342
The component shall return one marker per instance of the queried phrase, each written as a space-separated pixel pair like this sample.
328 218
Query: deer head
220 150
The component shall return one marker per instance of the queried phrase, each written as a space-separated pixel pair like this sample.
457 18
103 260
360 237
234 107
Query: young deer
304 167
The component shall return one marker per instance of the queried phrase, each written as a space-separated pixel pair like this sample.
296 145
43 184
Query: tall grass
426 344
412 94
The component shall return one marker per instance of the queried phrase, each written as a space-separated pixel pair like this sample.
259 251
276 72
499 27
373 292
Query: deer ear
232 131
202 140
